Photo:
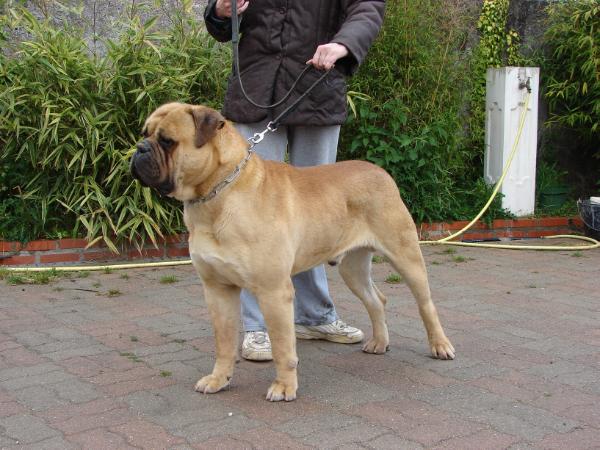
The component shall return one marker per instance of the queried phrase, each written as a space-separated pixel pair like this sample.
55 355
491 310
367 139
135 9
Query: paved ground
108 362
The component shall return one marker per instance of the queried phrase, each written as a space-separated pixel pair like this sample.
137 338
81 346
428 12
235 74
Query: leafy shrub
69 121
416 76
573 70
498 46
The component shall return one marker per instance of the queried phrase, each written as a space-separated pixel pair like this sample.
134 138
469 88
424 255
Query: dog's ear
207 122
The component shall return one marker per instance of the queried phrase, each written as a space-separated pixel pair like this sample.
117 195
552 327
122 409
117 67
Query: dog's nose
143 147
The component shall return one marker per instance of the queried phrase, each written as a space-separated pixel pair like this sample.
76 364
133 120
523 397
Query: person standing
278 39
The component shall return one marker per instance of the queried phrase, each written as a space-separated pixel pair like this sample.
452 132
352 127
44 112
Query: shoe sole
338 339
257 356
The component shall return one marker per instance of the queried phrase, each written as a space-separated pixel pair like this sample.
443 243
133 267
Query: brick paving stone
81 424
84 371
76 391
392 442
347 390
8 405
482 440
7 343
49 378
108 377
87 350
504 415
100 439
126 387
521 445
561 400
54 443
6 442
339 437
416 421
266 438
10 408
588 414
19 356
38 398
201 431
248 398
26 429
305 426
143 434
78 418
499 386
579 439
27 371
221 443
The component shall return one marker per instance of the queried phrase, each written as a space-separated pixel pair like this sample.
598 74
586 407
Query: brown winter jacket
278 37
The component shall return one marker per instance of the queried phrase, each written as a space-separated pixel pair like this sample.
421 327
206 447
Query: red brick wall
74 251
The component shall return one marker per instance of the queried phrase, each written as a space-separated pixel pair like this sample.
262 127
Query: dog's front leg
277 306
224 307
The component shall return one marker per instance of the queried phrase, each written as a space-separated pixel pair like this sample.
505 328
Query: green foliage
498 46
69 121
412 123
69 118
168 279
43 277
573 70
394 278
548 175
412 157
408 79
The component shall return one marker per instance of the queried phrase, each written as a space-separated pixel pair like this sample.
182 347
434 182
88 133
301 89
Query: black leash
271 126
235 39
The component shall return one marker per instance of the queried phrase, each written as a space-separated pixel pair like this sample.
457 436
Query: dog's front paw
280 391
442 349
376 346
211 384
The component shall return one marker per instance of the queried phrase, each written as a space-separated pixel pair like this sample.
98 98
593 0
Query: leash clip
257 137
271 127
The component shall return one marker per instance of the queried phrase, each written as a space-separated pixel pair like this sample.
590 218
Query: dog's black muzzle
146 168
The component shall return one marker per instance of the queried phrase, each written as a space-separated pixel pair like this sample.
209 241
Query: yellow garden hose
448 239
592 243
98 268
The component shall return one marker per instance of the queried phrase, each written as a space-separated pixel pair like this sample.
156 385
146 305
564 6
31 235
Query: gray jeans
306 146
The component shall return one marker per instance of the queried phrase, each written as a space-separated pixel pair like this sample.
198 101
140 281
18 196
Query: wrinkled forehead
169 113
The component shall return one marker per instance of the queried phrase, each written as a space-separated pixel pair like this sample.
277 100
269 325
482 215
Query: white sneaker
337 331
257 346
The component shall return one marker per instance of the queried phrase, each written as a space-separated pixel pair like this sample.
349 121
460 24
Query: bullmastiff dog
271 221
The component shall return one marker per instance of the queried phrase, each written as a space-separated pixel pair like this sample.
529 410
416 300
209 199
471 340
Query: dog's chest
208 254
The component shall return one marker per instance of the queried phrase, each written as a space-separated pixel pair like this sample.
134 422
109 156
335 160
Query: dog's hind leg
224 307
405 255
355 269
277 306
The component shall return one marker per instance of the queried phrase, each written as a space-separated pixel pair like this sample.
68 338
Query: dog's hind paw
211 384
443 350
279 391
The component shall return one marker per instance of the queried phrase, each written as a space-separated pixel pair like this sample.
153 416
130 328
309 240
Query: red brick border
74 251
503 228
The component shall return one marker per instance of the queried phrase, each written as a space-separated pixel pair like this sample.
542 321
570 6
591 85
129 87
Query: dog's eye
165 142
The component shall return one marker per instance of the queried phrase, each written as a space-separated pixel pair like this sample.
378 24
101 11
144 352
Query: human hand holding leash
326 55
223 8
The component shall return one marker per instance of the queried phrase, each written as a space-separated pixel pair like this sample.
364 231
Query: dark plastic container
590 214
553 197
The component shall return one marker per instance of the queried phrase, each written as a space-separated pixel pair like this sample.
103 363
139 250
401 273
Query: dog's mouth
147 171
